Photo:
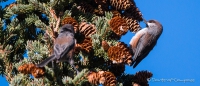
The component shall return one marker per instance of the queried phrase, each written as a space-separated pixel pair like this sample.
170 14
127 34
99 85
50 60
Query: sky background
176 55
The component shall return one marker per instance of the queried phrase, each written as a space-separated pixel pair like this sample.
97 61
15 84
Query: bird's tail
46 61
136 62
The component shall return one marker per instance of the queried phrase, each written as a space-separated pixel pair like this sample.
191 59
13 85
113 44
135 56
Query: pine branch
33 25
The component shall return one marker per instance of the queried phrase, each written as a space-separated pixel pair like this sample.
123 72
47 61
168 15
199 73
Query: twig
57 25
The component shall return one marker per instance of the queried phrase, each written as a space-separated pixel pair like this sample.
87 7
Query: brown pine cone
118 25
26 68
93 78
115 54
133 24
134 12
107 78
120 54
121 4
70 20
102 77
86 45
126 51
105 45
87 29
141 77
38 72
31 69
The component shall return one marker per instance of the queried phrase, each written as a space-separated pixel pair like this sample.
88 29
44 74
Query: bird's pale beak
144 21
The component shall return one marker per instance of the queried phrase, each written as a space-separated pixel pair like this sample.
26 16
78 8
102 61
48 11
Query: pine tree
31 26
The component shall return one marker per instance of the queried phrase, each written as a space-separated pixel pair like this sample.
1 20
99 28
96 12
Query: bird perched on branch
145 40
63 47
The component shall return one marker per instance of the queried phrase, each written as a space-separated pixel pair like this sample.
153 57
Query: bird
144 40
63 49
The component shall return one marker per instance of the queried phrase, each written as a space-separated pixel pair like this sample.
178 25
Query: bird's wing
143 41
63 45
144 54
135 39
143 48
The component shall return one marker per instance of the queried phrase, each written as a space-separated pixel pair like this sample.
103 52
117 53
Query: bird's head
153 24
67 27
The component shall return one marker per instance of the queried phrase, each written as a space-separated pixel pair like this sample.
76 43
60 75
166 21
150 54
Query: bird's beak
145 22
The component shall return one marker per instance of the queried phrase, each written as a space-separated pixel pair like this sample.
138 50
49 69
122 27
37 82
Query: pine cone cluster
141 78
121 4
117 69
70 20
118 25
31 69
102 77
84 46
87 29
105 45
133 24
120 54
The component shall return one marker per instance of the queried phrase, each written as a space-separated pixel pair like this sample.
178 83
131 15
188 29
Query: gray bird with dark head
145 40
63 47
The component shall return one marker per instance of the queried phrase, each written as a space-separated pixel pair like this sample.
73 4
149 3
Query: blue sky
176 55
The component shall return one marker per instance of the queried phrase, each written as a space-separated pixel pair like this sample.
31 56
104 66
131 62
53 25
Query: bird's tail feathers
136 62
46 61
